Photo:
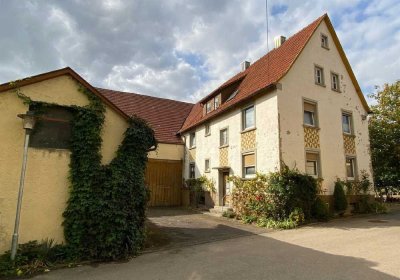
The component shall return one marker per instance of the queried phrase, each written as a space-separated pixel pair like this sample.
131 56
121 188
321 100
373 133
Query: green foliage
281 199
105 213
359 187
229 214
384 129
320 210
34 257
339 197
201 184
365 205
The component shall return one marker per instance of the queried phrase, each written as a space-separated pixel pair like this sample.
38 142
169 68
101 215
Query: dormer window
216 102
324 41
208 107
233 95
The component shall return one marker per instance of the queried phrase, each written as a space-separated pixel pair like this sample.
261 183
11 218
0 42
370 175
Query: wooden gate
164 179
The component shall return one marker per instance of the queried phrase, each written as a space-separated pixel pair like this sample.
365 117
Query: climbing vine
105 213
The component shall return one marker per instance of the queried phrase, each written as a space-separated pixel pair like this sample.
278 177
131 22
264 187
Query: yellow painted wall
46 184
298 84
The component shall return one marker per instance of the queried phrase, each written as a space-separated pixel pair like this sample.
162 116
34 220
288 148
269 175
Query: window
351 168
223 137
207 129
312 164
310 111
249 165
208 107
192 141
53 129
319 76
233 94
347 123
248 118
207 165
335 82
216 102
192 171
324 41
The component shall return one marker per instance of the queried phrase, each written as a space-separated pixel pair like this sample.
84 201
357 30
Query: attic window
233 95
324 41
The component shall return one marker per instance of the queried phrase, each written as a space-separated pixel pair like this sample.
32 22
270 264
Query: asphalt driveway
354 248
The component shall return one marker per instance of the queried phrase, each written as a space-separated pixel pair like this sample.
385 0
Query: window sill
206 135
207 171
192 148
224 146
311 126
325 47
248 129
321 85
336 90
349 134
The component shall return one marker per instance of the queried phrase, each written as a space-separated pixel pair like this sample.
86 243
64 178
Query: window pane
308 118
251 170
207 129
207 165
192 173
346 123
311 168
248 118
223 137
350 167
192 140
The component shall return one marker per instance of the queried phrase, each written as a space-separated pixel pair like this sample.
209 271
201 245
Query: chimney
279 40
245 65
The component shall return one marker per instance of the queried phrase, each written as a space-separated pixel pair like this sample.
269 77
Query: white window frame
227 137
317 163
207 129
244 128
319 77
324 38
350 118
353 162
244 168
208 107
337 88
216 102
207 169
314 115
192 140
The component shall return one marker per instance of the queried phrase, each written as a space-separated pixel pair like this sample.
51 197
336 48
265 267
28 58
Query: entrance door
225 193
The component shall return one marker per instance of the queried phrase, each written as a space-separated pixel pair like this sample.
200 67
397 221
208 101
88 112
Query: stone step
219 209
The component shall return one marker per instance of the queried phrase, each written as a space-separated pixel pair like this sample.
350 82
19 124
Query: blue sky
183 49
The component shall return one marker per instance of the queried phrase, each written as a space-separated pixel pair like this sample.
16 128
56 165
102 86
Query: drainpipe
29 123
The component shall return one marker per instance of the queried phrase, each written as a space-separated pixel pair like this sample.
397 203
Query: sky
183 49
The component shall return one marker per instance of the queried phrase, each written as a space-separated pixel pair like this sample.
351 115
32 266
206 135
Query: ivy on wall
105 213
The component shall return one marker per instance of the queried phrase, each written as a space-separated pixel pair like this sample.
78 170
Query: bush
364 206
340 201
280 197
229 214
34 257
319 210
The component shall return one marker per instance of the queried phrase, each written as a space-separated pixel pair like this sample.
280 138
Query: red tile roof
165 116
264 73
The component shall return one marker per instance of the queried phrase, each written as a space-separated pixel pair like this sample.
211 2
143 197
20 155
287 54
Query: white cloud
183 49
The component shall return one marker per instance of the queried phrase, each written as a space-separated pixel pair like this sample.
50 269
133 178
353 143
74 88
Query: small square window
347 123
248 118
249 165
335 82
312 164
192 140
319 76
324 41
207 165
310 114
192 170
207 129
351 168
223 137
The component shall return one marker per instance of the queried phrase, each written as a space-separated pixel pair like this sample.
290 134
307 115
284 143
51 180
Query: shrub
229 214
282 196
319 210
340 202
364 206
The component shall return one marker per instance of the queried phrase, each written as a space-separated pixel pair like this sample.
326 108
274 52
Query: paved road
354 248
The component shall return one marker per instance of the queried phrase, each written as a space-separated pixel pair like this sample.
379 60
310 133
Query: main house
298 105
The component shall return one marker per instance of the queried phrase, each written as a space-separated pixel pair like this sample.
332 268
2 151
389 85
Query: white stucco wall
298 84
267 140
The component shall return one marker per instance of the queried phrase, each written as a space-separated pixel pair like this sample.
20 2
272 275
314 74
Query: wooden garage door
164 179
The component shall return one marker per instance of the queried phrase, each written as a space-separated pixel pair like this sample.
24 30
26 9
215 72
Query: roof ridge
144 95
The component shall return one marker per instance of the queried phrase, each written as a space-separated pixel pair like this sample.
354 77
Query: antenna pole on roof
266 18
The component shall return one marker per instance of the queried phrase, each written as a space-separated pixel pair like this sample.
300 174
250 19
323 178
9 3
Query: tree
384 129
